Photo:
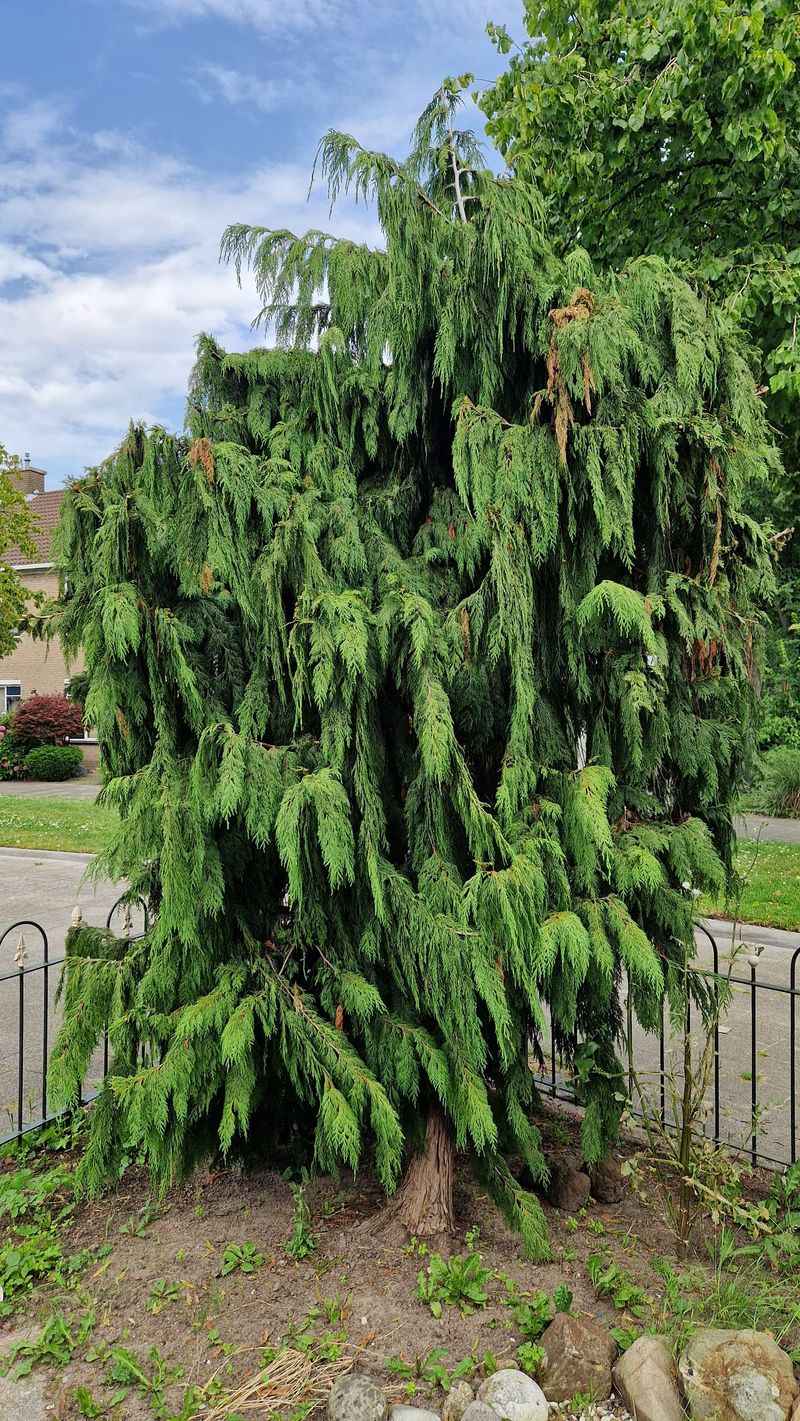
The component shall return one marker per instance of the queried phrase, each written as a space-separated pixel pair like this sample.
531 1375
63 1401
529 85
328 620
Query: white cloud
213 81
272 15
108 271
27 126
109 242
17 265
264 15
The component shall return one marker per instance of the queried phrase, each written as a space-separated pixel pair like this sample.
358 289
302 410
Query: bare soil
219 1324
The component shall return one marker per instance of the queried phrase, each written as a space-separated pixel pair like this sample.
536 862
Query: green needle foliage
672 130
421 667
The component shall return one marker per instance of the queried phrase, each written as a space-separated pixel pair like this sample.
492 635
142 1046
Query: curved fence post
127 932
127 918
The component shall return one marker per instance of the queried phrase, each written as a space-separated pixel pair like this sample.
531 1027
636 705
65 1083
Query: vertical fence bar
45 1013
717 1119
715 968
76 921
21 1039
127 932
662 1067
754 1060
19 958
792 1056
629 1041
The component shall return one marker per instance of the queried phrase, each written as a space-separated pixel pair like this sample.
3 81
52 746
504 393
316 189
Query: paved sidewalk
87 787
751 935
43 888
772 956
761 826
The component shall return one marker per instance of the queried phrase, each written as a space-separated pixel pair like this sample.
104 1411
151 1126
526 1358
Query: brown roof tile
46 508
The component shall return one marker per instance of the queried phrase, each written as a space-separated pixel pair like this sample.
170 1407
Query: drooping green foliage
672 130
421 668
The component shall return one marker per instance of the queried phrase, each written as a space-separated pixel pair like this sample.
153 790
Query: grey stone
644 1377
753 1394
357 1398
568 1187
479 1411
737 1376
513 1396
24 1400
607 1181
412 1413
578 1357
458 1398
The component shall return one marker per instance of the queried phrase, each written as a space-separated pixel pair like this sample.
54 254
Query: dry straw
292 1379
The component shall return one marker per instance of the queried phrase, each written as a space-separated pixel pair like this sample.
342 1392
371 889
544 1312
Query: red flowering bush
46 720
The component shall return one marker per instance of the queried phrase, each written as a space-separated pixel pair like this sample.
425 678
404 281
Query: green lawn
771 894
77 825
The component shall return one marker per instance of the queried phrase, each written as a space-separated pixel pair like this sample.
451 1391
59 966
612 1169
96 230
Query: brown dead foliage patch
580 308
201 452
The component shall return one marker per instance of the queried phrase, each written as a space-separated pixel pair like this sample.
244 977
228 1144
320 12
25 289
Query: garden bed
161 1301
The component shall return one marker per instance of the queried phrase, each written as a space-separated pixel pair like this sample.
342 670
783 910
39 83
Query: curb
51 855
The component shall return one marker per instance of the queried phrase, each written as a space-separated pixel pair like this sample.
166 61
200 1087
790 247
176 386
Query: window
10 695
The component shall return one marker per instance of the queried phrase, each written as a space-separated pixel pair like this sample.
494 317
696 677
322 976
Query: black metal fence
764 1032
752 1079
25 1038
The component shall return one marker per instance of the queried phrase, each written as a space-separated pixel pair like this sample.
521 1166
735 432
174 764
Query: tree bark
424 1202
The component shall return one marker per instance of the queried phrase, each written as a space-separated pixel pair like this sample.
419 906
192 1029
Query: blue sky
131 133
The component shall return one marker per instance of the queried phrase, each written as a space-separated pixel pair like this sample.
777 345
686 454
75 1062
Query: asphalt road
47 886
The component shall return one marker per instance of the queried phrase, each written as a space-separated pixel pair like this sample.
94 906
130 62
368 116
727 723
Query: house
34 665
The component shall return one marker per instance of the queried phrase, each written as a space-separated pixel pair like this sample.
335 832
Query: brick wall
37 665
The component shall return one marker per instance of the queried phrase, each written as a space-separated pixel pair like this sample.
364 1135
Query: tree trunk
424 1202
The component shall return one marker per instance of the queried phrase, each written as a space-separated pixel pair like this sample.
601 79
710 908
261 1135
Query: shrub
778 731
12 756
780 793
53 762
47 720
